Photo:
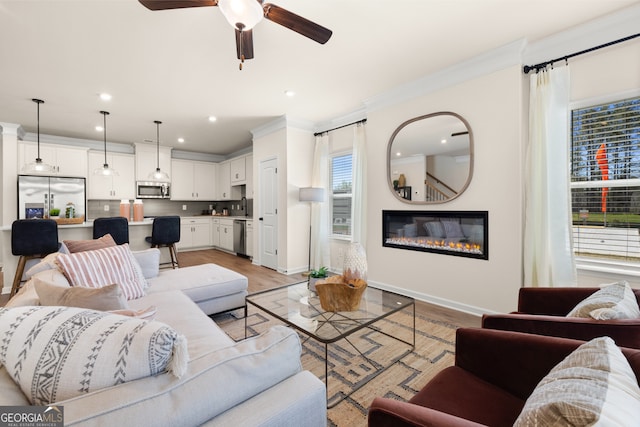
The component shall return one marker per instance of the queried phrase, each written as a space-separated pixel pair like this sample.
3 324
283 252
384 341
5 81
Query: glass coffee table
300 308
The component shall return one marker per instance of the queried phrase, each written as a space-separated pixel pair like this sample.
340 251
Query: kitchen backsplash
152 207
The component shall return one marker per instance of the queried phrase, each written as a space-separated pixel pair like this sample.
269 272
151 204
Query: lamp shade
311 194
241 14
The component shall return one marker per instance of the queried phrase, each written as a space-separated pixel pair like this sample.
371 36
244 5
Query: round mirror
430 158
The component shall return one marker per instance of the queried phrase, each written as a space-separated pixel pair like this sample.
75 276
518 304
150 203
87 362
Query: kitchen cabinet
195 232
225 190
237 171
249 238
193 180
226 234
66 161
147 160
215 232
113 187
249 175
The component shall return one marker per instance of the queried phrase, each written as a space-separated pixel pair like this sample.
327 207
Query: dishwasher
239 241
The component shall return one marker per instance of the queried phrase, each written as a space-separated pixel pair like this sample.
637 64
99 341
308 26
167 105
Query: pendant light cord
38 102
157 122
104 128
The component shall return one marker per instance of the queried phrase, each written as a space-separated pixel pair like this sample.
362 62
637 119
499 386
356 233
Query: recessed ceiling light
444 141
213 119
99 128
180 140
290 93
398 154
105 97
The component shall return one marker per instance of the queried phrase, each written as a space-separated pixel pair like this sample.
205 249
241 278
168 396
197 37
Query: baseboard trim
431 299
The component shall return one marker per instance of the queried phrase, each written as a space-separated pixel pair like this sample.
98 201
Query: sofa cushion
594 385
101 267
214 382
107 298
149 261
27 294
74 246
56 353
614 301
200 282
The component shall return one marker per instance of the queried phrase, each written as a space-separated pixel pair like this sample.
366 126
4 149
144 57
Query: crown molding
79 142
605 29
352 117
12 128
282 122
483 64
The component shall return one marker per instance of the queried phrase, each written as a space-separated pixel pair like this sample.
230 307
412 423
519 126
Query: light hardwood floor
261 278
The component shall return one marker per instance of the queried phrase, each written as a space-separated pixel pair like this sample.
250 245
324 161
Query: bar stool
165 233
117 226
31 239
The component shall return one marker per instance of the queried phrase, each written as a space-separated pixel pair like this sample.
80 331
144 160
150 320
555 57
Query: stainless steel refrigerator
37 195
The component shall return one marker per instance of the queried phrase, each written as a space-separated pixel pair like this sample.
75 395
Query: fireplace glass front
458 233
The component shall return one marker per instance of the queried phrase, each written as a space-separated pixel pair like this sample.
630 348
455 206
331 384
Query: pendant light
38 165
105 170
157 174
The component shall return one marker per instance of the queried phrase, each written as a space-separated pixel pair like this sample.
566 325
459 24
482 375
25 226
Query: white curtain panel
359 189
320 214
548 243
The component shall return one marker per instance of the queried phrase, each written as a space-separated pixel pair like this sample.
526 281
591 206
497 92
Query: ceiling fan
243 15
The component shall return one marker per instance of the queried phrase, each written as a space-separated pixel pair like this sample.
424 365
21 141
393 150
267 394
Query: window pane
341 198
605 172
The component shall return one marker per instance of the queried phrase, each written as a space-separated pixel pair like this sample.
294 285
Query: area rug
434 350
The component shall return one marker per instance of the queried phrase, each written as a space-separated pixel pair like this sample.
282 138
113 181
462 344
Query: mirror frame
471 157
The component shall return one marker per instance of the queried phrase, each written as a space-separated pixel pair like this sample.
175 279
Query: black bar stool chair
165 233
117 226
31 239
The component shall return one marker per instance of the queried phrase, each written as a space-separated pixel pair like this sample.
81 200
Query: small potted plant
316 275
54 213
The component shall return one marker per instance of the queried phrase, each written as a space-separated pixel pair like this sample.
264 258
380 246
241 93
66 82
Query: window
341 180
605 180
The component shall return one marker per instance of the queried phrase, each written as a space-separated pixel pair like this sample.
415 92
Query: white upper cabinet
114 187
249 174
193 180
224 181
66 160
238 171
147 161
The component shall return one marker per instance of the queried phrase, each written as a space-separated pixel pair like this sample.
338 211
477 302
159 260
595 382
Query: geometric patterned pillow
101 267
593 386
55 353
614 301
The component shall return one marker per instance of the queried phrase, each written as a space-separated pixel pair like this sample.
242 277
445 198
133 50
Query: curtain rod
340 127
542 65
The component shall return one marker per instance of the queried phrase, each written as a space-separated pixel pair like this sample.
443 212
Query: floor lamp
311 194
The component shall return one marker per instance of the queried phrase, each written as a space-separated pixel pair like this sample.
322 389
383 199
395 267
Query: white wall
492 105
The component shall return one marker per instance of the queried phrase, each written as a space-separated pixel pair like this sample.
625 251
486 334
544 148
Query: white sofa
254 382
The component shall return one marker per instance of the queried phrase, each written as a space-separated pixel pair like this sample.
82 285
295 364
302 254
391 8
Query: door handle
260 219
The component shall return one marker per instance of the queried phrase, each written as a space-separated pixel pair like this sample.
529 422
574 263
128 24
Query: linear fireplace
458 233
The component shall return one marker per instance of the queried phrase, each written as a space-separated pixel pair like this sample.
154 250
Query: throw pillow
107 298
434 229
592 386
101 267
452 229
56 353
74 246
47 263
614 301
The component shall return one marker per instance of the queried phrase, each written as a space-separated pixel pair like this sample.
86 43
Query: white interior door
268 213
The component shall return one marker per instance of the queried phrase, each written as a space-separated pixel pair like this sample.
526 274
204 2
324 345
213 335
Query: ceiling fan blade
176 4
297 23
246 46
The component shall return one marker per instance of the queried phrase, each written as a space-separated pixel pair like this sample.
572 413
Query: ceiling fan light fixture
247 13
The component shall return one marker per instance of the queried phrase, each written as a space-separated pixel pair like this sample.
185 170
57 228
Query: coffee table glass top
300 308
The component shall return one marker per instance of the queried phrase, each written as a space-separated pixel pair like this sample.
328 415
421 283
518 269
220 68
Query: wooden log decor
337 294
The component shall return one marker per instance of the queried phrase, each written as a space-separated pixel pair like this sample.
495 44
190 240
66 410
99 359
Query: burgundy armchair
494 373
543 311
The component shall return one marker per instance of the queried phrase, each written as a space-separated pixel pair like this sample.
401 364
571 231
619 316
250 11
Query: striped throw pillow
102 267
74 246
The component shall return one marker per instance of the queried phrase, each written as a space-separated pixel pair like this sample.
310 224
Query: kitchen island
138 230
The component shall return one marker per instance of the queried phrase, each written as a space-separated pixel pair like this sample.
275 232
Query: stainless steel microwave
153 190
